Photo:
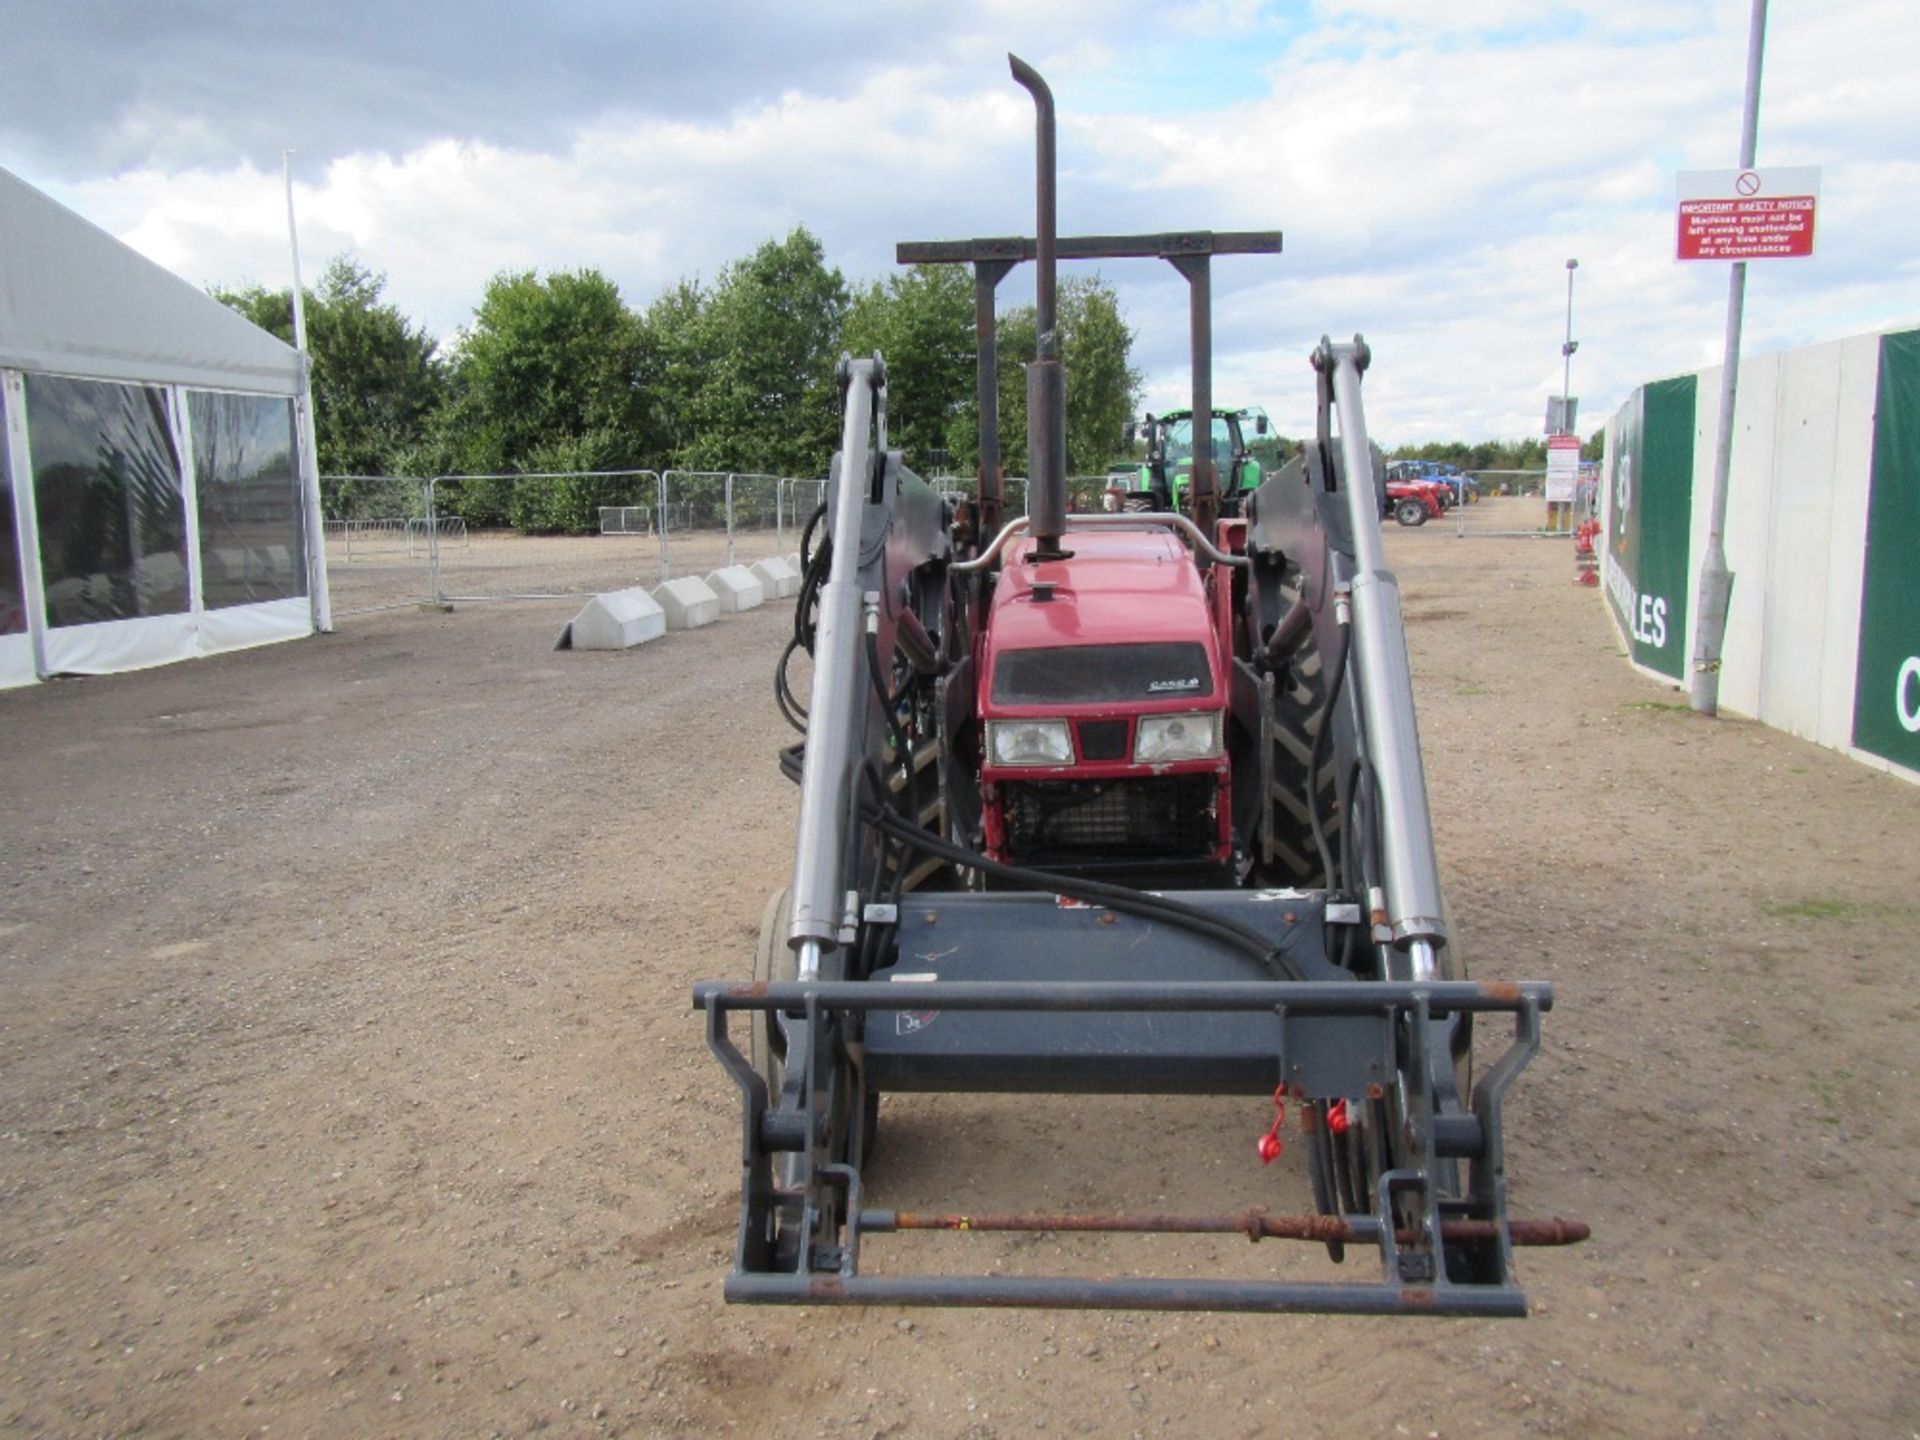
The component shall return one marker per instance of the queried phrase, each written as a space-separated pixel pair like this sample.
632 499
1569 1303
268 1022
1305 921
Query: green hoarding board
1651 524
1886 700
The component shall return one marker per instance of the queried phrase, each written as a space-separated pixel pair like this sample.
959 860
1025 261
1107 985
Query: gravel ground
350 1085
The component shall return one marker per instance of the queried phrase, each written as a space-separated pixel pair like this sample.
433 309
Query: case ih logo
1155 687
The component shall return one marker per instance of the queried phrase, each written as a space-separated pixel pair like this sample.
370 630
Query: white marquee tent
157 499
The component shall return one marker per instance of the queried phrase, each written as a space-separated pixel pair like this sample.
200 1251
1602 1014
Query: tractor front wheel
776 963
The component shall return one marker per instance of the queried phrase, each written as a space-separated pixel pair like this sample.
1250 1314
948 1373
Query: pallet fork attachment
1437 1256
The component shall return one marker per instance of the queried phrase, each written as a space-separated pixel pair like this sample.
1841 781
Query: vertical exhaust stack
1046 378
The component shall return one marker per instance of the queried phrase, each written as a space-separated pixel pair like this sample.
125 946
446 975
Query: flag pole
317 592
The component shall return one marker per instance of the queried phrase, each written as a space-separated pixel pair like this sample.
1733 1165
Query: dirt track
350 1086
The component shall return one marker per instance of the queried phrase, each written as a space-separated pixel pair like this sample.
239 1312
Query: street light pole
1714 589
1560 512
1566 358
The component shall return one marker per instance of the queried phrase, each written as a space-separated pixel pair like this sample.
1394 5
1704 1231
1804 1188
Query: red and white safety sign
1747 214
1563 468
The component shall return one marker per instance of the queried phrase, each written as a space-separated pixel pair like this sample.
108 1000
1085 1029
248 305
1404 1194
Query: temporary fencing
543 535
381 539
1509 482
1085 493
395 541
1510 507
715 517
1013 490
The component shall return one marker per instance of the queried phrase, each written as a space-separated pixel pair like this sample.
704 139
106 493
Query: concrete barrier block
793 559
689 602
779 579
738 588
618 620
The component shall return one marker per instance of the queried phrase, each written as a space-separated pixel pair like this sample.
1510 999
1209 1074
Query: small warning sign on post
1563 468
1748 214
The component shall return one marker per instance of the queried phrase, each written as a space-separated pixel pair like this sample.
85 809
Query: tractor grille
1103 739
1082 821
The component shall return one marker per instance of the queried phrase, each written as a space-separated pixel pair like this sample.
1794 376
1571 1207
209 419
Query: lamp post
1714 590
1560 512
1567 347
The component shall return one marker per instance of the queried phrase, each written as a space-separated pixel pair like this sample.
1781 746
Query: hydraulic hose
901 748
790 706
813 571
1114 897
1317 757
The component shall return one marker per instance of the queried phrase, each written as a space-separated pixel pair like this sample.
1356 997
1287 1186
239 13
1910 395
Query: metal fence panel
395 541
381 538
1509 507
548 536
1501 517
766 514
694 514
712 518
795 502
1013 491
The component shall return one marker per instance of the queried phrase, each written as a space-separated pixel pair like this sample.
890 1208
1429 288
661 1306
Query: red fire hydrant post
1586 557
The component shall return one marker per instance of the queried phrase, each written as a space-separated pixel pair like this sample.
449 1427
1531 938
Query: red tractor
1103 718
1125 803
1412 501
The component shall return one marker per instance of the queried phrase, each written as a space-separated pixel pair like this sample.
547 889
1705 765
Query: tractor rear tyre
1300 697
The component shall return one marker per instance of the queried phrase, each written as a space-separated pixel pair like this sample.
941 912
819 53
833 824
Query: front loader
1116 804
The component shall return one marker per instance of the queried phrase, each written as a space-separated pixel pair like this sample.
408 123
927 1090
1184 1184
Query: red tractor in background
1116 803
1413 502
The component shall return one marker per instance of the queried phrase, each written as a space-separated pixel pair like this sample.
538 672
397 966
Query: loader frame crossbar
1318 1025
1190 252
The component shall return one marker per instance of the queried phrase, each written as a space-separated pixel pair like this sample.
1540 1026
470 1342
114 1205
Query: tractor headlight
1162 738
1029 742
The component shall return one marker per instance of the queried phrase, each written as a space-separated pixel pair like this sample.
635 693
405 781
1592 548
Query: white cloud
1432 167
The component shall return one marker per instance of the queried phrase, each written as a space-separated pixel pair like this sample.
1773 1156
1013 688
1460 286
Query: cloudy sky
1433 165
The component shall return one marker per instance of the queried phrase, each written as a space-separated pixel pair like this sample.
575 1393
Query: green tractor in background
1245 450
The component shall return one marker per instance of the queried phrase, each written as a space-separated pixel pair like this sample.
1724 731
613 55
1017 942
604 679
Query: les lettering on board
1650 621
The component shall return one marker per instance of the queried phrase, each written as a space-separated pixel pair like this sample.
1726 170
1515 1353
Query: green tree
1479 455
547 379
673 363
549 359
1103 388
764 344
376 380
1015 344
921 320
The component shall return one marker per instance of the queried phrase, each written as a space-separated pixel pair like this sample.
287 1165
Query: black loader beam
1015 248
